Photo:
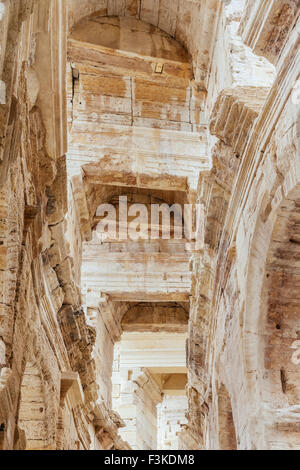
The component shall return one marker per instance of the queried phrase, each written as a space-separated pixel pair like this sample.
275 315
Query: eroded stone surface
112 344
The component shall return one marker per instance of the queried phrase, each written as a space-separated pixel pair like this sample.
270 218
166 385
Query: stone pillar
171 416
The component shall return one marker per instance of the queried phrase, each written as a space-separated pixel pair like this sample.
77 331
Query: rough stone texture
266 26
171 417
241 370
148 367
188 21
43 330
112 344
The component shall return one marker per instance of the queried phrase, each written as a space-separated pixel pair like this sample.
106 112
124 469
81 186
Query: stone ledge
234 114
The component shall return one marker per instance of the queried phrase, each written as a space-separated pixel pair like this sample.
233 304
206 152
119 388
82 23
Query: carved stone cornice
234 114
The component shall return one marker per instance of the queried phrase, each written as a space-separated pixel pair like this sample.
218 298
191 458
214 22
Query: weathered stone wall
47 379
148 365
171 416
243 315
211 113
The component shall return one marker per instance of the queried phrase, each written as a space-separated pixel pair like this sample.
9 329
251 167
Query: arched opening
129 35
280 317
148 217
272 326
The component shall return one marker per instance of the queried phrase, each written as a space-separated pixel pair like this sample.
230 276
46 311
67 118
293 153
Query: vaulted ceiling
191 22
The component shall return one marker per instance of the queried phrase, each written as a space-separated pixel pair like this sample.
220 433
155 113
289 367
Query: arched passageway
227 437
173 331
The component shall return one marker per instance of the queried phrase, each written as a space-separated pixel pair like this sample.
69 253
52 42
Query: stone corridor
177 329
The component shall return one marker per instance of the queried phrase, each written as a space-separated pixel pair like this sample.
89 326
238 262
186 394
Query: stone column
135 398
171 416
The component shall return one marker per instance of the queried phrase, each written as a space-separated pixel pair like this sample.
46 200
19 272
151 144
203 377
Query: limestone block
116 391
155 318
266 26
129 34
33 87
149 318
234 115
71 385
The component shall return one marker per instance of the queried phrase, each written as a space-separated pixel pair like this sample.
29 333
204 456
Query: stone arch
38 398
227 435
272 324
173 202
33 409
280 317
131 35
155 317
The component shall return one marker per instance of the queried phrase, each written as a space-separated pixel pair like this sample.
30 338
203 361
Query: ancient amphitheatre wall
242 331
237 377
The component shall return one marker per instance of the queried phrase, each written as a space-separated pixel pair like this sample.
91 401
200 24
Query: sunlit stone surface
113 343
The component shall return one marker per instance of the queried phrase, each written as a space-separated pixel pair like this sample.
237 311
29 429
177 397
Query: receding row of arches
130 315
